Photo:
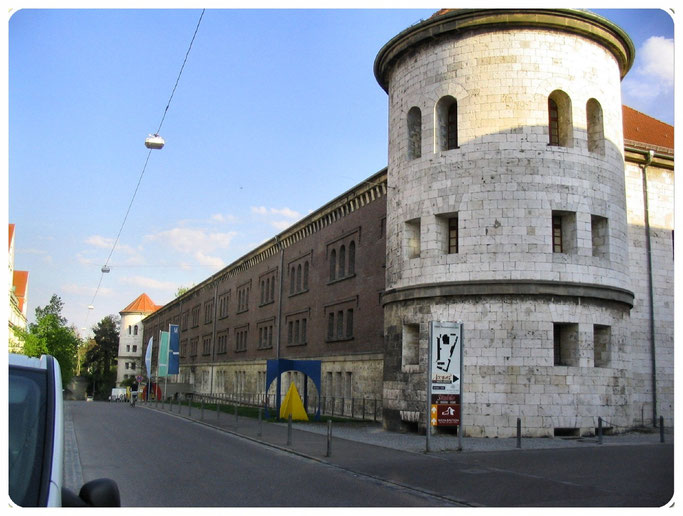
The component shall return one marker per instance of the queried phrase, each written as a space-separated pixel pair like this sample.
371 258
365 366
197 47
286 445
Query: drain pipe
278 388
648 160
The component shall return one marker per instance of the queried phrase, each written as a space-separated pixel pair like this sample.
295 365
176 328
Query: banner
148 358
174 350
162 369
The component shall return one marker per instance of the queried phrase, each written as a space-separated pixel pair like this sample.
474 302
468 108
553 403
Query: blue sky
276 113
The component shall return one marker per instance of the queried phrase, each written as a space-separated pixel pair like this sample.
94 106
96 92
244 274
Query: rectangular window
453 235
330 326
564 232
223 306
410 347
600 236
241 336
222 343
557 234
565 344
348 385
602 336
412 236
195 316
243 298
206 345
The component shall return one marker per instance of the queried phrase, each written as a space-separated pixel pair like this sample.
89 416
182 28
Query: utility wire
142 173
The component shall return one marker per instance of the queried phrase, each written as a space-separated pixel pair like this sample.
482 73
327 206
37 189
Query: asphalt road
163 461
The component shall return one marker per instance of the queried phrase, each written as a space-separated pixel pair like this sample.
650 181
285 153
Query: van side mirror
102 492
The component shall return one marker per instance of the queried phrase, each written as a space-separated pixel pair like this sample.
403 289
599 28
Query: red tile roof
143 304
644 131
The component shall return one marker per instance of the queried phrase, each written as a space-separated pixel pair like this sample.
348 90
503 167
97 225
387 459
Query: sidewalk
374 434
626 470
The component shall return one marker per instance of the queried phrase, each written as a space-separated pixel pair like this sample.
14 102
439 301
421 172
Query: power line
142 173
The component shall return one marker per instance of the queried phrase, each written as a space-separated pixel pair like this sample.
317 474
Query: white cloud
209 261
106 243
149 283
649 86
188 240
197 243
223 218
658 56
260 210
73 288
279 218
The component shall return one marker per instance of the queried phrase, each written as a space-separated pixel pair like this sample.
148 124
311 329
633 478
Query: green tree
100 359
183 290
49 335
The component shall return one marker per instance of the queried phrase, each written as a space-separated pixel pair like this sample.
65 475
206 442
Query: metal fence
367 409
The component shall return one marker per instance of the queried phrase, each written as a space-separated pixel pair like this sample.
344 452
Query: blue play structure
310 368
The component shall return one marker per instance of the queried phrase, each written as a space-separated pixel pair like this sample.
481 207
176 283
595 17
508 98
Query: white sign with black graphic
446 343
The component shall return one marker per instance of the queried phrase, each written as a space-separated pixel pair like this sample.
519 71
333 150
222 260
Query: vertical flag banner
174 350
148 358
163 355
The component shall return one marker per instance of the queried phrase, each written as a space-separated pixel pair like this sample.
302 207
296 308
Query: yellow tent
293 405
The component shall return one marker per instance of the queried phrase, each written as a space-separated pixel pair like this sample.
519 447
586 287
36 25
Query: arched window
263 291
352 258
298 278
135 330
560 125
333 265
292 279
594 127
342 261
446 124
414 133
305 275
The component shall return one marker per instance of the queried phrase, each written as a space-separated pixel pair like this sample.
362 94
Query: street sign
445 415
445 373
446 341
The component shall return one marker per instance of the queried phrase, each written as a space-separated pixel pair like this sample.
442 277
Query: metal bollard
189 407
519 433
289 430
661 429
201 409
599 430
329 438
218 410
260 421
236 415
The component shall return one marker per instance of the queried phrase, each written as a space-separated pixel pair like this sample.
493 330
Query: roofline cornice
459 21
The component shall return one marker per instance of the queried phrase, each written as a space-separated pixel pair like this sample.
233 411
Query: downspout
278 389
648 160
213 337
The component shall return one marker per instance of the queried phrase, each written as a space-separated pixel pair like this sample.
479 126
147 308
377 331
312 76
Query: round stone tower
506 210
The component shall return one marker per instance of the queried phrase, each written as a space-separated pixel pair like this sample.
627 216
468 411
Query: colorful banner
162 368
148 358
174 350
